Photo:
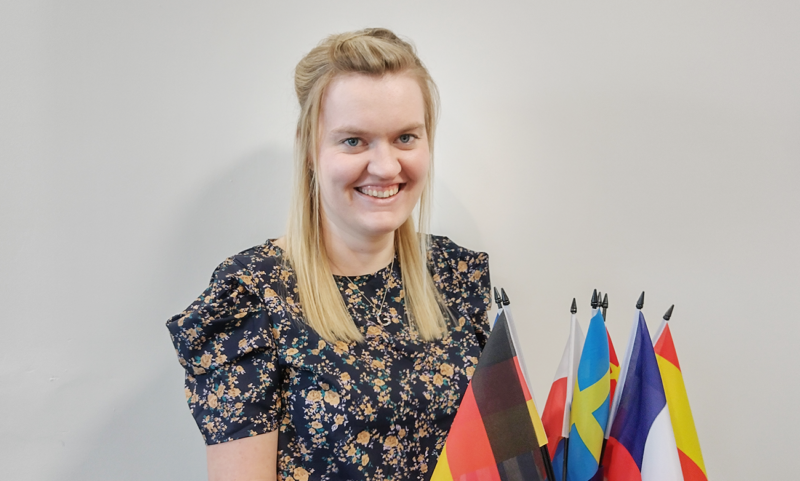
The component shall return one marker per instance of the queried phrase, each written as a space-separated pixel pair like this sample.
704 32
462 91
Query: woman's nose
384 162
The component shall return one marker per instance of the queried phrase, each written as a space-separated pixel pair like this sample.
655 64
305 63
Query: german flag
496 434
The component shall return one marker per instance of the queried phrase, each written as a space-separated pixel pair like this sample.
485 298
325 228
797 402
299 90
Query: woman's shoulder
258 260
447 254
461 274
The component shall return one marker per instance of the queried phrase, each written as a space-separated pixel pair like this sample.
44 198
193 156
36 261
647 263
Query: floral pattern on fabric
378 410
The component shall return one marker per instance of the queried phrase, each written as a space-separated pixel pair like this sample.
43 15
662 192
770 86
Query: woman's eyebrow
357 131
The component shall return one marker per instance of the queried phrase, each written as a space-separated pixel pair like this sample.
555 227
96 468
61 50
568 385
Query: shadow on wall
151 435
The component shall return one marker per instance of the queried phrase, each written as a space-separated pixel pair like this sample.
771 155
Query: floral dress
380 409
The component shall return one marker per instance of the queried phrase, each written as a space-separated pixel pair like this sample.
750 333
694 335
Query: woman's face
373 154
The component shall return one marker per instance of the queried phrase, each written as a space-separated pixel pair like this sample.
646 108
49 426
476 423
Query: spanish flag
678 402
496 434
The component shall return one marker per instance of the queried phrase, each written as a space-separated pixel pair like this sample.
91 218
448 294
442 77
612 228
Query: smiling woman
342 350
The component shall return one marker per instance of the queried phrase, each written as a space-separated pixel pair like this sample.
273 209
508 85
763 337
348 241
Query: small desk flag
679 411
641 445
590 404
556 413
496 434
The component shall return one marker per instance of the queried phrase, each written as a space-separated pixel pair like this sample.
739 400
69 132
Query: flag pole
668 314
605 305
573 310
548 465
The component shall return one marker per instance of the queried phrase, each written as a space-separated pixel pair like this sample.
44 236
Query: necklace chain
375 306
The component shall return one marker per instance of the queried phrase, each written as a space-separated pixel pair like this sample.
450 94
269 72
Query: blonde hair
374 52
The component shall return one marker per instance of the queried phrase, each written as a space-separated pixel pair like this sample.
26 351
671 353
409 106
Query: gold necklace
375 306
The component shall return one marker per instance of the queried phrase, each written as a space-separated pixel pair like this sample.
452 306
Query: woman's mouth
380 192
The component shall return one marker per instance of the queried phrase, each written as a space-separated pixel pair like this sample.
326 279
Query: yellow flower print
291 351
365 460
376 364
345 376
373 331
300 474
314 396
339 419
446 370
391 442
221 358
332 398
470 371
462 266
316 425
205 360
363 438
212 400
438 379
187 393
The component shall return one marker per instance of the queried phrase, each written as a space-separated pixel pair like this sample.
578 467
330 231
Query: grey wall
621 145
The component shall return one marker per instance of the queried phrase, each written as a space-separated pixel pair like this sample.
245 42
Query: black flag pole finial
497 299
574 308
668 314
640 302
594 299
504 296
605 305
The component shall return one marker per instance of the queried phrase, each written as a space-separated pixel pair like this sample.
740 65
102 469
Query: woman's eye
351 142
406 138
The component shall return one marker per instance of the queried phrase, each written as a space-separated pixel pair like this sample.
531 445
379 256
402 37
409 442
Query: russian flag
641 444
555 417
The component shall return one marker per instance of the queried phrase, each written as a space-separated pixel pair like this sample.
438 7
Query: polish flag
557 409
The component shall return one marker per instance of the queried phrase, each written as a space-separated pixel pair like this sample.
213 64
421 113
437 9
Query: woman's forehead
363 102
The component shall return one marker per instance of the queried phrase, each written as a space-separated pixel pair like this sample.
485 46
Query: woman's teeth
379 193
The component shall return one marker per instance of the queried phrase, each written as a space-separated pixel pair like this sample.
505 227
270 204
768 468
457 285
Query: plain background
624 146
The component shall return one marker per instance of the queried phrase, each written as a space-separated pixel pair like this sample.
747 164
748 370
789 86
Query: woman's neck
350 256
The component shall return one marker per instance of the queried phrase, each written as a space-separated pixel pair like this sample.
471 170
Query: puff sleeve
462 275
224 341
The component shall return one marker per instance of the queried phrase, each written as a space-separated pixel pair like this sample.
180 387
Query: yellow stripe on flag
680 412
584 404
538 427
442 471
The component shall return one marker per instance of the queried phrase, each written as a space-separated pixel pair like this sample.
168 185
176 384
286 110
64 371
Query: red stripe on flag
618 464
666 348
522 382
614 367
553 416
691 471
468 448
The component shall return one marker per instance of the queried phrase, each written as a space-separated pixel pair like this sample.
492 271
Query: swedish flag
590 404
